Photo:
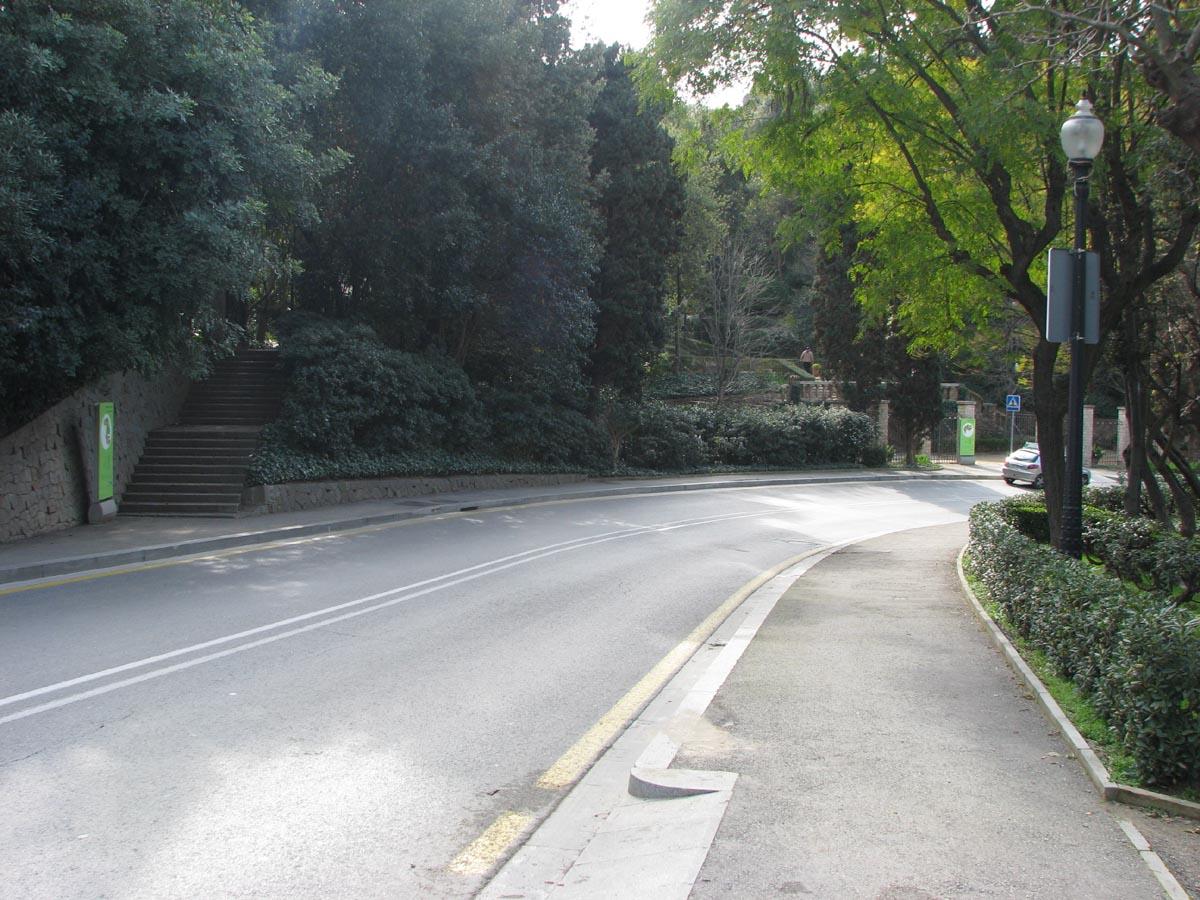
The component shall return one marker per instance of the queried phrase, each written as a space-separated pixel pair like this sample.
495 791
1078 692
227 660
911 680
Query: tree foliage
869 357
134 183
640 200
463 220
941 121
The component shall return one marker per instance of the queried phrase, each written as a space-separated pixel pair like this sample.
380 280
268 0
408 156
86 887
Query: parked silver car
1026 465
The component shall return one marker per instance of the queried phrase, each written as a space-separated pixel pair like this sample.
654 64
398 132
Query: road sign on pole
1012 403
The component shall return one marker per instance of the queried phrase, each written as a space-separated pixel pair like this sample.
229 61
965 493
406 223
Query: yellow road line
481 855
496 842
579 758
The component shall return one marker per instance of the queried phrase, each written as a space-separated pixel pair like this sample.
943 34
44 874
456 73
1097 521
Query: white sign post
1012 403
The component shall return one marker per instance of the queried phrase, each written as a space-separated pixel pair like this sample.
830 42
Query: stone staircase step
159 494
224 420
235 441
197 466
196 458
215 451
230 480
182 470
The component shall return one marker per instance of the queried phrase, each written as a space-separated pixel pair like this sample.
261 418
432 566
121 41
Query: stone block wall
280 498
43 479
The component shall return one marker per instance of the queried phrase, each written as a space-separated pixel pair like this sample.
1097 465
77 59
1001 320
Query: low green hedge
1133 653
1140 551
1137 550
677 438
275 464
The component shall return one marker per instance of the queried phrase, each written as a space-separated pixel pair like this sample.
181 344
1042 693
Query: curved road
343 715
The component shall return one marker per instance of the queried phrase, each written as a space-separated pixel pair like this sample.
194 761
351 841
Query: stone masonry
43 480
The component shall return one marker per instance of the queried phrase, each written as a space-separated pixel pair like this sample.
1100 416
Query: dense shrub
876 456
666 438
1110 497
347 391
523 428
1134 654
682 437
1141 551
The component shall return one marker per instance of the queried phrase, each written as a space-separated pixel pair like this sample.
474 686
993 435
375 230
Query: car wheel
1038 483
1010 481
1087 477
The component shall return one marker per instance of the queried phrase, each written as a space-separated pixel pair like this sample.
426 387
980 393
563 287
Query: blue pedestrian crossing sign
1012 403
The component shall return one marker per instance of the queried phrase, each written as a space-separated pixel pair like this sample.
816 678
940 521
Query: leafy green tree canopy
135 183
940 124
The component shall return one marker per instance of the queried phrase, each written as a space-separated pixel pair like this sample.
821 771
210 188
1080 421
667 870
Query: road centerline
324 617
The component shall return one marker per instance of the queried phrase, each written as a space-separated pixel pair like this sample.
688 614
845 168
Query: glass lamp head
1083 134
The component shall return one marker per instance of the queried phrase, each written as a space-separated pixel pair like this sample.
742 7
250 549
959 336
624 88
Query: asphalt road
344 715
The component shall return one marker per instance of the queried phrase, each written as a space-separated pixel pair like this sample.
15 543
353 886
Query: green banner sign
966 437
105 445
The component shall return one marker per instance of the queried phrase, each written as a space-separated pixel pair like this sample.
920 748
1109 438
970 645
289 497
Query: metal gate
943 442
1104 445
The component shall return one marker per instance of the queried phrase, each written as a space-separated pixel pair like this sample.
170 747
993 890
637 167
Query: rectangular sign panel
966 437
1060 286
1012 403
105 443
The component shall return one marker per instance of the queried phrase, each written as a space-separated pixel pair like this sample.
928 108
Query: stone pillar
1122 436
1089 433
966 428
883 423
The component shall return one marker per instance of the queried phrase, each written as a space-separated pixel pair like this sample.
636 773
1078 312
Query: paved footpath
884 750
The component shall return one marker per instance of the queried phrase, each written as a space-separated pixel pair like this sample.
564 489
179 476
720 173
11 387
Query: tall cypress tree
640 202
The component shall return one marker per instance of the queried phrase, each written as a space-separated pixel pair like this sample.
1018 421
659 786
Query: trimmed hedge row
1133 653
276 464
675 438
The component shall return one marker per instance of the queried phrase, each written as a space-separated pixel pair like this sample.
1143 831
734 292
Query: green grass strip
1121 765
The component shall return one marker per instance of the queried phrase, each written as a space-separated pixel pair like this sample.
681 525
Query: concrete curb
665 819
89 562
1095 769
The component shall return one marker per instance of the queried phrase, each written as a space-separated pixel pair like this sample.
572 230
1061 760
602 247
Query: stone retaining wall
277 498
43 480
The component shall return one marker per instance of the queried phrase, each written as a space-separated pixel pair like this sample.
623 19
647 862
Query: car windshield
1026 456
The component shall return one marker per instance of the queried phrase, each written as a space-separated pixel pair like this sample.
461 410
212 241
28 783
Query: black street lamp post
1082 136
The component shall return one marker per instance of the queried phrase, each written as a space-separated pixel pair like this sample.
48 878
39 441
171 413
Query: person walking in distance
806 360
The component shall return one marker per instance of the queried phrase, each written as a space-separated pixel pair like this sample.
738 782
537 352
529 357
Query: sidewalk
885 750
864 741
139 539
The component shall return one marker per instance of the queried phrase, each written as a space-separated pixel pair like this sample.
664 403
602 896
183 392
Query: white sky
624 21
608 21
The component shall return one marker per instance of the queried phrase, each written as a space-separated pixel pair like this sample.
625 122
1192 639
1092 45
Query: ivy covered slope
1131 647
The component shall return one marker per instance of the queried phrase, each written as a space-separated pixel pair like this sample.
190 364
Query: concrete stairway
198 466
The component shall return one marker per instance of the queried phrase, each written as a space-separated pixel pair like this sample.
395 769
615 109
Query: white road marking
326 617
